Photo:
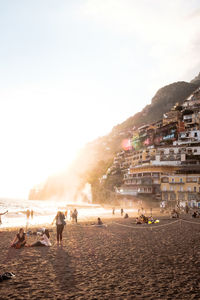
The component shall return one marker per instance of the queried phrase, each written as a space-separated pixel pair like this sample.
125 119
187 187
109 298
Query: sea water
45 211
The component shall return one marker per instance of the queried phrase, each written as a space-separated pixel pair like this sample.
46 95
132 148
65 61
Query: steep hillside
163 100
97 156
196 80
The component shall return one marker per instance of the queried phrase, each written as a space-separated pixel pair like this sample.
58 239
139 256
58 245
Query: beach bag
63 220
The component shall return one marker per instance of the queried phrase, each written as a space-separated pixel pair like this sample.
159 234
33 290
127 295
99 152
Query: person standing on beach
113 211
122 212
60 223
28 214
75 213
31 214
1 214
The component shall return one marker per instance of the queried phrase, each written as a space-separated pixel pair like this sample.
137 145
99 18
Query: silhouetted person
75 213
99 222
122 211
126 216
28 214
32 214
113 211
1 214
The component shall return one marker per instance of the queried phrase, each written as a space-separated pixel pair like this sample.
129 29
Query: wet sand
116 262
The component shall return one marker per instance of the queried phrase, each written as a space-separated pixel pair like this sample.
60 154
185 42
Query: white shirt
45 241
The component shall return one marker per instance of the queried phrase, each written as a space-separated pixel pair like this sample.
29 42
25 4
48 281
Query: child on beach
19 240
43 241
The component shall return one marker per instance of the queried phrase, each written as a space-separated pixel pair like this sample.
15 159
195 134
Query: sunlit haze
71 70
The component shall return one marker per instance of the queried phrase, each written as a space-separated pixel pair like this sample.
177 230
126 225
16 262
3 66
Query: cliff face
163 100
196 80
98 155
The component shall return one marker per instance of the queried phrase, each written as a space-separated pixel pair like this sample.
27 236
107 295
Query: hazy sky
71 70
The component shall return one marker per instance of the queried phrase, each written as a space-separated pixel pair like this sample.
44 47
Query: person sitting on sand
138 220
175 214
19 240
43 241
195 214
126 216
144 219
99 222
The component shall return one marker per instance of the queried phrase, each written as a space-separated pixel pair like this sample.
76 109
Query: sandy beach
116 262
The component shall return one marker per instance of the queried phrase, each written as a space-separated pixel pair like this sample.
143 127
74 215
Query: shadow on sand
63 270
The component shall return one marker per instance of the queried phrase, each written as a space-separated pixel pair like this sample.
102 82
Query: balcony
176 182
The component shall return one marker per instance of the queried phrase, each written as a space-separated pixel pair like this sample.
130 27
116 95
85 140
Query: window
171 188
195 134
172 196
181 179
164 188
189 189
172 179
165 196
195 189
181 188
181 197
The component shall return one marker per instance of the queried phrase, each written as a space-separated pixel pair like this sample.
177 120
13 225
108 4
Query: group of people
73 215
20 240
142 219
125 215
29 213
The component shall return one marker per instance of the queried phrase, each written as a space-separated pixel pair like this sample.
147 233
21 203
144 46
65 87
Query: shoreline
82 221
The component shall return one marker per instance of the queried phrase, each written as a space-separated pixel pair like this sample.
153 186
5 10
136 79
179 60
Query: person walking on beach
113 211
19 240
1 214
32 214
60 223
122 212
75 214
28 214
